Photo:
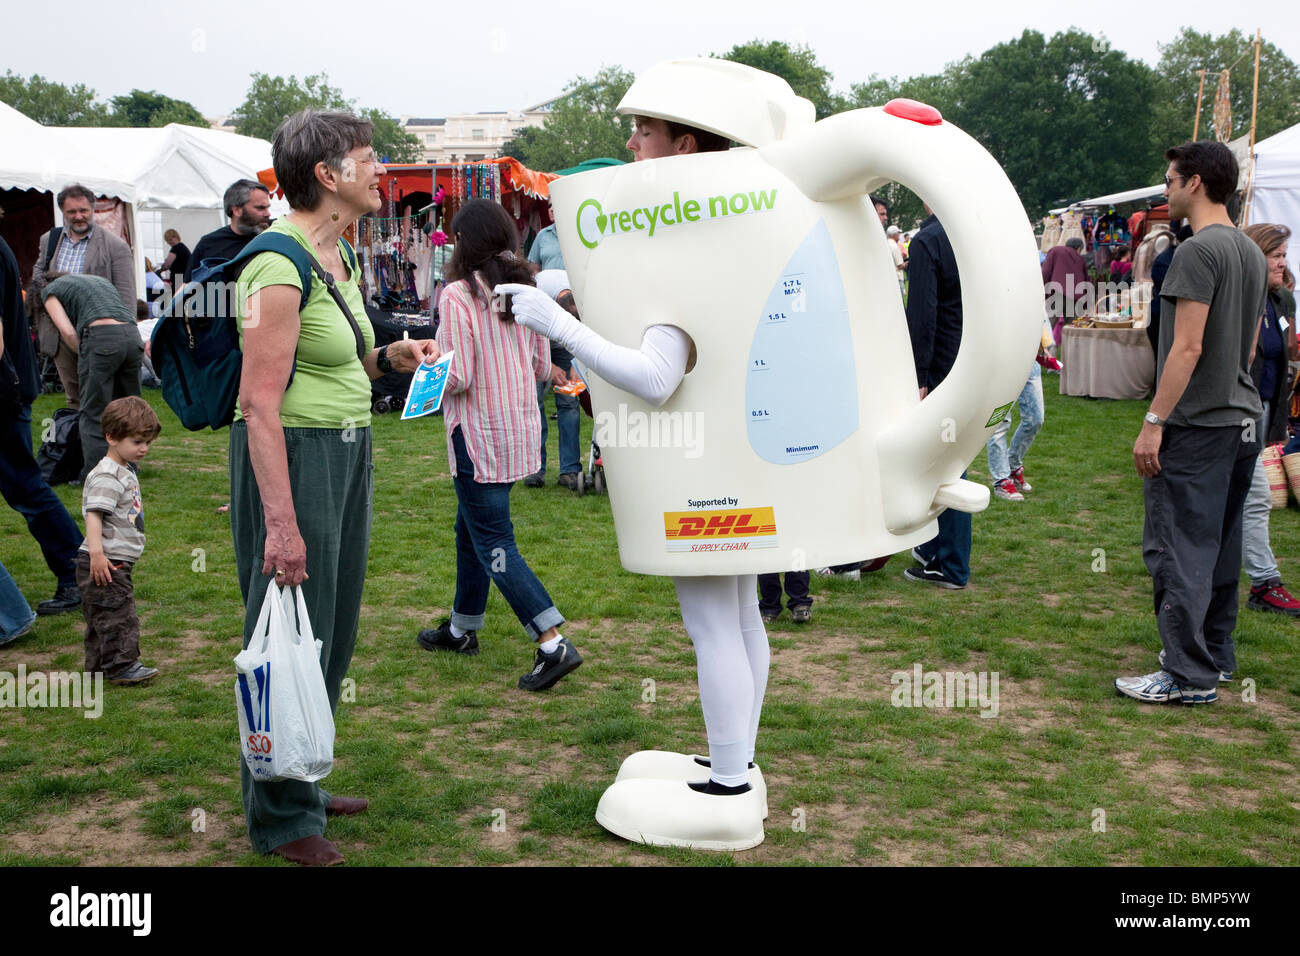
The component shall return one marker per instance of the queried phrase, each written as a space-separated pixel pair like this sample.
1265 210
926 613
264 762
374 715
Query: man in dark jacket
934 320
21 483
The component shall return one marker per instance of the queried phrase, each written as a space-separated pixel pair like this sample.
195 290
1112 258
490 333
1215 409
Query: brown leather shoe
346 806
310 851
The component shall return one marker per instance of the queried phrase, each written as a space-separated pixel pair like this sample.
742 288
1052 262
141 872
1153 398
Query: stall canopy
1276 196
1131 197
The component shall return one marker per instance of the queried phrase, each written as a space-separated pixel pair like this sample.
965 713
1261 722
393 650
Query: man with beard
248 207
79 248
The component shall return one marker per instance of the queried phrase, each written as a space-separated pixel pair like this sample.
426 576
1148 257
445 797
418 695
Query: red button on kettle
915 111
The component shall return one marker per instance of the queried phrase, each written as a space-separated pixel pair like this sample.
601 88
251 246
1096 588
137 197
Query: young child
110 504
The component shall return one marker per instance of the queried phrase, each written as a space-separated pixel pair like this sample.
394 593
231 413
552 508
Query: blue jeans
1001 465
949 550
25 490
486 553
568 418
15 612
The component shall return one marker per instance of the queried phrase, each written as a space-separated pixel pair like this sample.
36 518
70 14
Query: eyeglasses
1170 181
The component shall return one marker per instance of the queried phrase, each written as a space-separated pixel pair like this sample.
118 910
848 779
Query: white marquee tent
1276 195
172 177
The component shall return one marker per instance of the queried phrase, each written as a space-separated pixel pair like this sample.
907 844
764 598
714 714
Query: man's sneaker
1006 490
1018 477
568 480
1161 688
67 597
536 480
801 615
549 668
1225 677
770 616
137 673
1273 597
919 557
441 639
931 575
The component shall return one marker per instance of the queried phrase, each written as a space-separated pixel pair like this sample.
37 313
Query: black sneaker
536 480
931 575
568 480
66 598
441 639
549 668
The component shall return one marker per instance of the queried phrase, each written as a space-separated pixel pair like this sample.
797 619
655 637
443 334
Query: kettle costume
768 266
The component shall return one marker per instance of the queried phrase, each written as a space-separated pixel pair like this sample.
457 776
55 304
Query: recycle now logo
595 224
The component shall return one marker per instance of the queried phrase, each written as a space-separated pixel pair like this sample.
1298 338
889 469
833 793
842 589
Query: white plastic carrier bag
286 727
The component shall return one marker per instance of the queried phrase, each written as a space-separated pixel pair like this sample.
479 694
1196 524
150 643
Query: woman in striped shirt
493 440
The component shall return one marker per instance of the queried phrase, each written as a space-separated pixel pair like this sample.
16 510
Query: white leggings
722 617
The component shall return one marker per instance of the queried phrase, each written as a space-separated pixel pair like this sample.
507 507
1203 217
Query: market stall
1106 363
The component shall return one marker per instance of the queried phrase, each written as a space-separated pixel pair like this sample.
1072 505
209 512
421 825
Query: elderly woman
300 445
1276 344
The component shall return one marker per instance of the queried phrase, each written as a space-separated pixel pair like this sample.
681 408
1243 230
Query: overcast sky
436 58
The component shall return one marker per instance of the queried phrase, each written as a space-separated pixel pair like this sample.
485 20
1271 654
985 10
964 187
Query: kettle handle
923 453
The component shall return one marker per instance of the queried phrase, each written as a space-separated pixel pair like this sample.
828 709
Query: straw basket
1271 456
1291 465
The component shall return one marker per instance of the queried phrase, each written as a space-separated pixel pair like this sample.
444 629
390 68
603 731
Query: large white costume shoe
670 813
665 765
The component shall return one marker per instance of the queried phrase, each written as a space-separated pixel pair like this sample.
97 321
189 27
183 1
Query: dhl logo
733 523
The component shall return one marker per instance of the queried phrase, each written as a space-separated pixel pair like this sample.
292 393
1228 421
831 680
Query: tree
521 145
1173 112
583 124
796 65
1064 119
392 143
272 98
50 103
147 108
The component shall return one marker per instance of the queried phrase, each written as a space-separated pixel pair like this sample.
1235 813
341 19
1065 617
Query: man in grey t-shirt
1197 447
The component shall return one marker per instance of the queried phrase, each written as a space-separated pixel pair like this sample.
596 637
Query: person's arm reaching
652 373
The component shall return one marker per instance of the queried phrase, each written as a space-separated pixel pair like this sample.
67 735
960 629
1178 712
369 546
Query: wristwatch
1151 417
385 366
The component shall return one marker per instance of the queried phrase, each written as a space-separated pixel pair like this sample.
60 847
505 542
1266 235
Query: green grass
463 768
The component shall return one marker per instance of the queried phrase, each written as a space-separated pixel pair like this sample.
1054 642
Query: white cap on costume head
736 101
892 231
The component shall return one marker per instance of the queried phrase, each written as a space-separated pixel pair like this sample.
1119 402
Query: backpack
60 458
195 345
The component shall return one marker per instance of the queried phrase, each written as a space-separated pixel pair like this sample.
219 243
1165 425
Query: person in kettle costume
684 108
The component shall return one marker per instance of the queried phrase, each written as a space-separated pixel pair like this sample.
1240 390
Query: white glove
552 282
652 372
535 310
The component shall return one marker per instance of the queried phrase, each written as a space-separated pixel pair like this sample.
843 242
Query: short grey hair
311 137
1075 243
78 190
237 194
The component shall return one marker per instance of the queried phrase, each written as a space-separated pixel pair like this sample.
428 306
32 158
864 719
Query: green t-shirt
330 387
86 298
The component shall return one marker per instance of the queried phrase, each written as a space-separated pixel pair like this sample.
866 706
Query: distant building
460 137
471 137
